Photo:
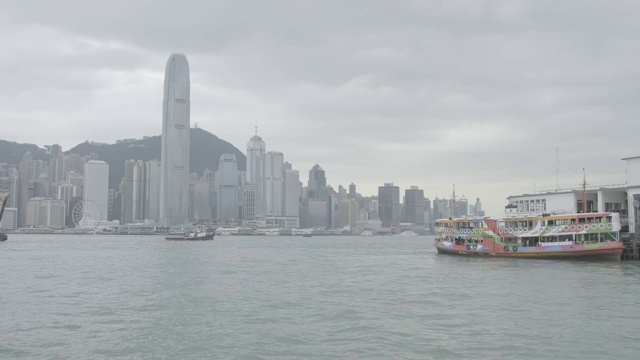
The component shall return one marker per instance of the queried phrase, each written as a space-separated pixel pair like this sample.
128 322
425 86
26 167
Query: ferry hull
203 238
609 251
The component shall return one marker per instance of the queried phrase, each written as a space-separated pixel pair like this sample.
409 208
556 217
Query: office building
174 183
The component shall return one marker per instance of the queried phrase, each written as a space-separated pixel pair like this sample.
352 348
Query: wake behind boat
572 236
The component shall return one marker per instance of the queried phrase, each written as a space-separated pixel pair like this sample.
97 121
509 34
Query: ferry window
581 221
573 221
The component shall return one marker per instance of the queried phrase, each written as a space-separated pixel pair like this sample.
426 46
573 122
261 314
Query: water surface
112 297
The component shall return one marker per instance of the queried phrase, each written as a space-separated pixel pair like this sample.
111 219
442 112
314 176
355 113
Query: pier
631 248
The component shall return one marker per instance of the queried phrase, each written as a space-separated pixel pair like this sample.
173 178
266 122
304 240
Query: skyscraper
228 190
389 205
414 205
317 185
269 197
255 149
174 183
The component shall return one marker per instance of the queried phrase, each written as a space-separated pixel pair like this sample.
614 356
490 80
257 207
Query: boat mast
584 192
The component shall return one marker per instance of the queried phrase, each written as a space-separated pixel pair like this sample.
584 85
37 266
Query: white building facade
96 186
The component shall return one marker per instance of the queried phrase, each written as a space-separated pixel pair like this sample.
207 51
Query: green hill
205 152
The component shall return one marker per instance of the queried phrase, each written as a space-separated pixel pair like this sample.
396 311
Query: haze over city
477 94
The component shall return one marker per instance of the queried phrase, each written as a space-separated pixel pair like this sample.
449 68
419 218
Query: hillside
205 153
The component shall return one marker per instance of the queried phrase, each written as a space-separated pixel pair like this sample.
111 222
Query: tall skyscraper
269 196
255 149
291 192
174 183
96 186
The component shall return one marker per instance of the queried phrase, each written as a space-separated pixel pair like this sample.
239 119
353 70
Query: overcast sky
429 93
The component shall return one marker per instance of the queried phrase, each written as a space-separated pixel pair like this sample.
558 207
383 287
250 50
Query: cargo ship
544 236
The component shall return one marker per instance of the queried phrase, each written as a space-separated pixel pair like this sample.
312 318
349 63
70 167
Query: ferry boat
545 236
193 236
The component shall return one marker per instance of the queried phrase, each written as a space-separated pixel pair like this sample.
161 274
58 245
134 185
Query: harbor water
291 297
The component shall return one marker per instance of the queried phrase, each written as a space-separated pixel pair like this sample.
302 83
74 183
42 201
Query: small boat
306 235
366 233
193 236
545 236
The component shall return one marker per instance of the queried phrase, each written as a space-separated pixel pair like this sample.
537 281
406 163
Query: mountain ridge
205 152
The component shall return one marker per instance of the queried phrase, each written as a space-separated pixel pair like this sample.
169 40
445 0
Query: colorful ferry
545 236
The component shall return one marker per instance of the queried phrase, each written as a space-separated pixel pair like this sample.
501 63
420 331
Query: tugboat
3 202
196 235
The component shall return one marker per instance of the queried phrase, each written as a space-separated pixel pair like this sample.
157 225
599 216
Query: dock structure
631 249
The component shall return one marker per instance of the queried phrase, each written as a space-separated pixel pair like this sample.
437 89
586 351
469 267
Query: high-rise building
9 182
352 191
56 163
96 186
347 213
255 149
228 192
291 193
174 183
414 205
389 205
317 185
25 188
269 188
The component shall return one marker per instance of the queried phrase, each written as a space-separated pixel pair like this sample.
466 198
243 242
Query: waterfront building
45 213
9 219
316 213
347 213
255 149
228 191
9 181
174 183
632 202
389 205
96 186
70 195
249 202
414 205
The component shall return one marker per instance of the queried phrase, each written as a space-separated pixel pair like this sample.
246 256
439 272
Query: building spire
256 128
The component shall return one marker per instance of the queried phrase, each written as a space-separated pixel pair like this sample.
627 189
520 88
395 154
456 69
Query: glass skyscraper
174 183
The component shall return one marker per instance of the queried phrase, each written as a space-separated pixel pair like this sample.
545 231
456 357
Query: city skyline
477 94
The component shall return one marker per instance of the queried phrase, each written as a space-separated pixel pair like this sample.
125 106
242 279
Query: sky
499 98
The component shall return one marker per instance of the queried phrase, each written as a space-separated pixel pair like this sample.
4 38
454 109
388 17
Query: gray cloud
427 93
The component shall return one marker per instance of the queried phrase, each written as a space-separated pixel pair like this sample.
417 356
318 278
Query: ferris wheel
86 215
